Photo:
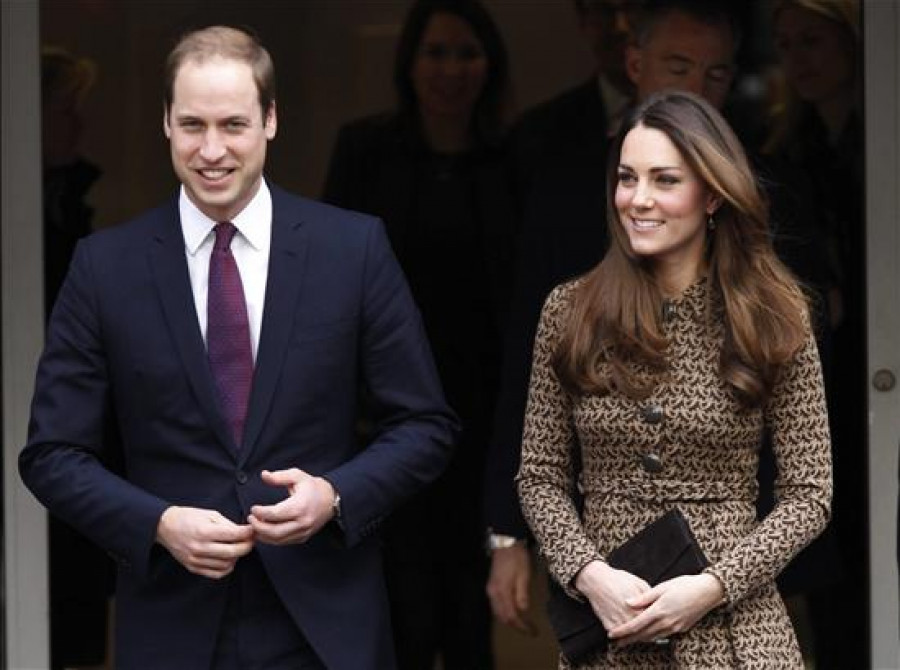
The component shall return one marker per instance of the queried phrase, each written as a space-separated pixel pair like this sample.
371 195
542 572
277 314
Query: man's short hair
238 44
710 12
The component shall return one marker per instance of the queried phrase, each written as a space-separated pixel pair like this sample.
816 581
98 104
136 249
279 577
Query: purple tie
228 332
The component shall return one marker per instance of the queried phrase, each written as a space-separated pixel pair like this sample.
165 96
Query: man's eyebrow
678 58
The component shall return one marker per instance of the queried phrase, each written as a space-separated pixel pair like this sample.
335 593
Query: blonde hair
617 308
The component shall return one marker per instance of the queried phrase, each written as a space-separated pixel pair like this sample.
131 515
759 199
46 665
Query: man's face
685 54
218 135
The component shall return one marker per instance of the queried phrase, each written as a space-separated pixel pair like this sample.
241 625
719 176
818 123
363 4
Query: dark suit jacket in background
559 149
451 220
125 329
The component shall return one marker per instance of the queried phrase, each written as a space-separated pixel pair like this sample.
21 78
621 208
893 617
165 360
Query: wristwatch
500 541
336 508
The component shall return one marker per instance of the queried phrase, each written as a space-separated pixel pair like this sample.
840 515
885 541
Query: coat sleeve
414 429
64 462
548 471
798 420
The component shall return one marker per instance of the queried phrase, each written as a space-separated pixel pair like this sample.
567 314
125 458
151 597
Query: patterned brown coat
690 445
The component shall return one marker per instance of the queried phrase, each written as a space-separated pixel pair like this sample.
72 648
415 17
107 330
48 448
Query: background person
435 171
817 128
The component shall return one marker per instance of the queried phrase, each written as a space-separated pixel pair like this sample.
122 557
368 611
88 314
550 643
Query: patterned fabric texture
688 445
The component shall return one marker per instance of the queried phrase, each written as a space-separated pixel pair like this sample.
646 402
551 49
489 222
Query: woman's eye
626 178
667 179
436 52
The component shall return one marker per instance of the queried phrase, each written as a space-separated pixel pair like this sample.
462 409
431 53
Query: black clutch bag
662 550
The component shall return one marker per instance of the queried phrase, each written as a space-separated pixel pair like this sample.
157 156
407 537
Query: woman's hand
671 607
609 591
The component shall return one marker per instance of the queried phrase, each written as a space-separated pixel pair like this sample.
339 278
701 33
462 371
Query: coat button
669 310
241 477
652 462
653 414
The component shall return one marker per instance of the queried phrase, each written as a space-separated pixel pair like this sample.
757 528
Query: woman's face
663 205
450 68
817 54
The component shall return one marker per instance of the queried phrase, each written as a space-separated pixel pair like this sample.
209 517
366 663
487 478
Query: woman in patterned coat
654 378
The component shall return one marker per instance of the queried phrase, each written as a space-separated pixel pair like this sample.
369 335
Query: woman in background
818 128
654 378
434 170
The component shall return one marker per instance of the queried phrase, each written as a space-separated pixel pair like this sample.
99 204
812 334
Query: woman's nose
643 199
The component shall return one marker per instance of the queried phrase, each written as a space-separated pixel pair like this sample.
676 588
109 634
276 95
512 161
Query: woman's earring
710 223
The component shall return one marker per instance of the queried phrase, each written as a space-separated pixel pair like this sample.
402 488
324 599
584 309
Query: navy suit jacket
124 339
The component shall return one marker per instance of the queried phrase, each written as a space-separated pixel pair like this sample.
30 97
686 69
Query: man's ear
167 129
633 56
271 121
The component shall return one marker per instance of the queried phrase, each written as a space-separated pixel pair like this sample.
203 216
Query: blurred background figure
817 127
435 171
578 120
65 82
81 575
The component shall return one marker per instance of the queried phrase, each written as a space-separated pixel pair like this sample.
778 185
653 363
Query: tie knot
225 232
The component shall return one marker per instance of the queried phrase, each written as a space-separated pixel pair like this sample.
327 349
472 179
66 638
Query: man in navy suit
242 511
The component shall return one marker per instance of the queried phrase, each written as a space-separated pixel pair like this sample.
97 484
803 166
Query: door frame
25 594
882 105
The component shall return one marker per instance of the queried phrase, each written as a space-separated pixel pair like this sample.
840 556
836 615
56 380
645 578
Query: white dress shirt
250 248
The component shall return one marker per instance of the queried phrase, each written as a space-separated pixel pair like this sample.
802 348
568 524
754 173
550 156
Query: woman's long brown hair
614 339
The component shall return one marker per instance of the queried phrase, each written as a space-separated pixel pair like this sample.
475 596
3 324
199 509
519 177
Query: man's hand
611 592
507 587
671 607
308 507
203 541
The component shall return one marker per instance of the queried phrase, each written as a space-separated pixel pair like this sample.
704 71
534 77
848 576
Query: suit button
653 414
241 477
652 462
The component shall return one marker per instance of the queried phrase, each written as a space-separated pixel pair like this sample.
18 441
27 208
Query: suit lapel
287 264
173 283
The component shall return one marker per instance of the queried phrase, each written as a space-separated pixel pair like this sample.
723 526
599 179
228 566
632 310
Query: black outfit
558 150
81 575
450 220
835 170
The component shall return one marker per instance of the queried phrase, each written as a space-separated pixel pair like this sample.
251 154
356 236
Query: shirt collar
254 222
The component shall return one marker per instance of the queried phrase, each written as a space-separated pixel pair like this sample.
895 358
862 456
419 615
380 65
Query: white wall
24 525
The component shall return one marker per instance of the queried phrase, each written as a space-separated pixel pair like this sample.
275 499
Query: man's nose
212 148
694 83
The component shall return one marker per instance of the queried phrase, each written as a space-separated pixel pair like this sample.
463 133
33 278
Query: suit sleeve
798 421
63 463
414 429
534 278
